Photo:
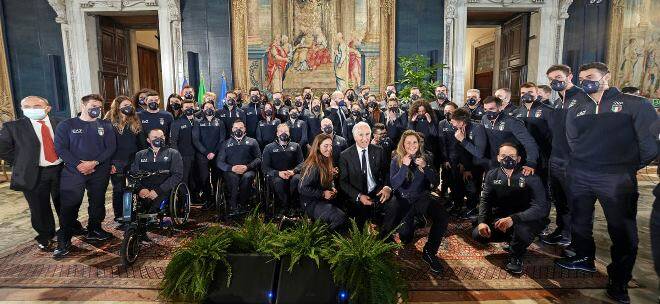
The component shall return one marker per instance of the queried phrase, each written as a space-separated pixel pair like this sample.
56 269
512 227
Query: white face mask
35 114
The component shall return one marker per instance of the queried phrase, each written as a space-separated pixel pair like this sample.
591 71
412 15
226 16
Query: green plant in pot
192 268
416 72
365 266
306 239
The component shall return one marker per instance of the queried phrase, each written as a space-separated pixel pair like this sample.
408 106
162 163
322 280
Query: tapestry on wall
635 45
324 44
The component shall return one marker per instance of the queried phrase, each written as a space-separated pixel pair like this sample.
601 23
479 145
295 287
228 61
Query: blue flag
223 92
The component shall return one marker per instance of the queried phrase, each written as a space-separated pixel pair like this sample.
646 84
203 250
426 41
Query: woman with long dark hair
375 114
267 126
317 187
174 105
412 177
130 139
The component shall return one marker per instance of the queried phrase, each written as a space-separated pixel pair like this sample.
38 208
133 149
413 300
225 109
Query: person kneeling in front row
513 207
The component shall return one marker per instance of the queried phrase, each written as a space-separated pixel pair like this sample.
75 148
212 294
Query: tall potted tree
417 72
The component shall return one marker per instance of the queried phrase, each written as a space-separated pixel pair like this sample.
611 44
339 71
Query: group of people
343 155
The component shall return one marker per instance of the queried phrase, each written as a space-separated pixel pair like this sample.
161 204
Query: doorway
497 51
129 55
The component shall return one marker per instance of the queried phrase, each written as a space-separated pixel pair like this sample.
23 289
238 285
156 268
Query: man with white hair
473 105
27 145
339 113
364 180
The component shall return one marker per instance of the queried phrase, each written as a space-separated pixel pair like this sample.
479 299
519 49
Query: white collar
360 149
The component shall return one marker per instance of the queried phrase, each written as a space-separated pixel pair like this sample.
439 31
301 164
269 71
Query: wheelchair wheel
130 246
180 205
220 200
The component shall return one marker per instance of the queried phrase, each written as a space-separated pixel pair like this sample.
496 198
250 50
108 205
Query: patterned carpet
469 266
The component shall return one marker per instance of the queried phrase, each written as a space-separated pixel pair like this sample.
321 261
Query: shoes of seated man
98 235
433 261
618 292
62 250
79 231
577 263
515 265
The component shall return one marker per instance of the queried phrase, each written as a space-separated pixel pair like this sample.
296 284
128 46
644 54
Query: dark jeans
38 199
558 187
617 194
519 236
420 205
72 191
327 212
239 187
285 190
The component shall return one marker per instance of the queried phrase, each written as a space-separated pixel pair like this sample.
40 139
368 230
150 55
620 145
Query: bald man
27 145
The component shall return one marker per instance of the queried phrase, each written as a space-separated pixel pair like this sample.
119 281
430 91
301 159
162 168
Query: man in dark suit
27 145
364 180
339 114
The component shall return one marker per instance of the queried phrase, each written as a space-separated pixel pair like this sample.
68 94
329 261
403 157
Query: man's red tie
47 139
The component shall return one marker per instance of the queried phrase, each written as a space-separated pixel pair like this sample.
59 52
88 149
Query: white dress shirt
371 183
42 156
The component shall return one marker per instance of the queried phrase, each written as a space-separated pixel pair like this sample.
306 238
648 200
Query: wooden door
148 68
484 62
113 51
513 54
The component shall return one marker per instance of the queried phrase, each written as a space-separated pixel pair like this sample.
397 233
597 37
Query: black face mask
394 109
508 163
268 112
277 102
153 105
389 93
448 116
231 102
308 96
328 129
355 113
127 110
527 98
326 101
373 105
558 85
287 102
491 115
176 106
414 97
188 95
284 137
441 96
293 115
209 112
189 111
350 97
158 142
238 133
142 101
94 112
316 108
254 98
299 104
471 101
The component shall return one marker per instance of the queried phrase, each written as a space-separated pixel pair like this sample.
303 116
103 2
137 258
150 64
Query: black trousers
72 190
384 214
207 177
420 205
188 162
519 236
473 187
326 212
655 229
239 187
617 194
38 199
558 188
118 181
285 190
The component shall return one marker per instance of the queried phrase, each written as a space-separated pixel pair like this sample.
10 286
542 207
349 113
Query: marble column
373 21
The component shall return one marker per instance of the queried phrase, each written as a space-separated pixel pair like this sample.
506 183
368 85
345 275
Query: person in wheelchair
158 158
239 158
282 160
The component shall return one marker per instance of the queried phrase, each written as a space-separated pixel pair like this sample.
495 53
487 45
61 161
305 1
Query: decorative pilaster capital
59 6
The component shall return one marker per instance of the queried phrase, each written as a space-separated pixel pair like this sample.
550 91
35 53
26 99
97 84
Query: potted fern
195 264
364 265
252 258
417 72
304 275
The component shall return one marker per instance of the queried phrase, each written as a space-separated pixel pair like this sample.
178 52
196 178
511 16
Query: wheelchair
174 211
221 196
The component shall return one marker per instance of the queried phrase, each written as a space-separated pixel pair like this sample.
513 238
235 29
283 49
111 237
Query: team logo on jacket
497 182
143 160
521 182
581 113
471 136
183 126
573 102
617 106
165 158
162 121
101 131
77 131
539 113
501 127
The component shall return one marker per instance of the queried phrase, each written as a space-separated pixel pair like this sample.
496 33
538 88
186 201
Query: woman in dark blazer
317 188
412 177
130 139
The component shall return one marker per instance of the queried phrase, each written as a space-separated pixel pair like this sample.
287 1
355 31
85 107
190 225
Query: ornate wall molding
387 42
7 111
614 37
239 44
116 4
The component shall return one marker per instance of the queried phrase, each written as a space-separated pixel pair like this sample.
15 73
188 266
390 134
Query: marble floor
15 229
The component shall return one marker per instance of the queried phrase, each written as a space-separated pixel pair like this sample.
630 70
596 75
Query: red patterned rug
469 266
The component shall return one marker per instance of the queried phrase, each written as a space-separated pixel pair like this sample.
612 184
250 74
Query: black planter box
252 280
306 283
